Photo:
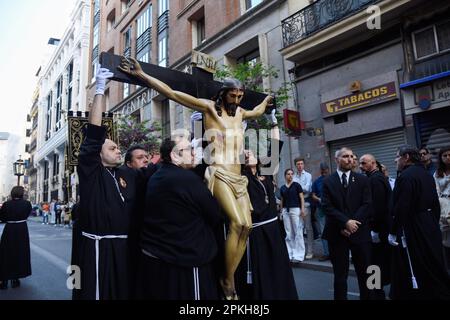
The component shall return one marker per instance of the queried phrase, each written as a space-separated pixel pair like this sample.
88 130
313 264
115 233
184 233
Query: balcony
318 16
163 21
328 26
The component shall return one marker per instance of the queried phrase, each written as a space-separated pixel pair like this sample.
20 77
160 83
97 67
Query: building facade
426 84
166 32
137 29
32 134
62 85
349 65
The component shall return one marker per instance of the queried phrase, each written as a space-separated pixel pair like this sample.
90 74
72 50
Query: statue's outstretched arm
258 110
132 67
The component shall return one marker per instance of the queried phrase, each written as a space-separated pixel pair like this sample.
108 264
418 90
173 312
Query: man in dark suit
346 200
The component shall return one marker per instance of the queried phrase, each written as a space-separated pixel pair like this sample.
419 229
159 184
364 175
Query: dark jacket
179 218
341 205
416 215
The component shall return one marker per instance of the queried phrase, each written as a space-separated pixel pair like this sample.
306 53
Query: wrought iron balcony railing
318 16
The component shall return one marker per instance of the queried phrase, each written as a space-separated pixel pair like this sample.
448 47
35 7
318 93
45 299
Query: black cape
381 222
179 218
102 211
271 273
15 242
416 212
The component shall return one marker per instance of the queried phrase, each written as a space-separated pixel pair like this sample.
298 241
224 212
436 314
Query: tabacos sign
358 100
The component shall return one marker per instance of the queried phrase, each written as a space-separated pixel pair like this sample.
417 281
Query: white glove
100 78
244 125
375 237
272 118
196 116
393 240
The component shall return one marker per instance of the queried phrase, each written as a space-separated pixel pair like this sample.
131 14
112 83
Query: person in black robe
265 272
108 194
137 158
381 220
177 239
418 270
15 242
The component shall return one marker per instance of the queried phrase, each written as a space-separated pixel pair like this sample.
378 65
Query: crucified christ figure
223 123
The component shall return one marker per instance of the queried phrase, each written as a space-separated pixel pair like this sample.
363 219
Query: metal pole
18 180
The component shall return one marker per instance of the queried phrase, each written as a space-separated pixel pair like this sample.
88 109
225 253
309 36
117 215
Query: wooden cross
199 84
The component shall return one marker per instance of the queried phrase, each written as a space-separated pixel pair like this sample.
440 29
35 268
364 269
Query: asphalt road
50 257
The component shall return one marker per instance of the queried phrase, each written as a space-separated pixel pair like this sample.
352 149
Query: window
49 116
201 35
126 90
443 35
95 50
143 36
252 3
127 43
69 86
111 20
96 6
165 119
59 86
432 40
46 170
55 164
251 57
125 5
162 52
163 6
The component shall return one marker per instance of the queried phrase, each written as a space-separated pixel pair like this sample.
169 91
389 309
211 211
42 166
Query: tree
132 132
251 75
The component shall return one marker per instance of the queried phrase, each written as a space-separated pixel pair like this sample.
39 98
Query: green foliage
251 75
132 132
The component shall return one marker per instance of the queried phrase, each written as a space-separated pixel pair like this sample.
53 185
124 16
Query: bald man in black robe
108 200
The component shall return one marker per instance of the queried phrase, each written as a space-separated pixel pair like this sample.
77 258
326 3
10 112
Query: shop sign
366 98
292 121
442 90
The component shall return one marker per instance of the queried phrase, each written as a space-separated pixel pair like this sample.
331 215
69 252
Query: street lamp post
19 169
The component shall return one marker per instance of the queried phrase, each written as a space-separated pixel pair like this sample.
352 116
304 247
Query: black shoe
4 285
15 283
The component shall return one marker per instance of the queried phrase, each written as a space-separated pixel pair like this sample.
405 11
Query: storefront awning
425 80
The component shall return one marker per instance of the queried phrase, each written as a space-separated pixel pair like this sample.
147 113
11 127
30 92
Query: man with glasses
425 159
177 240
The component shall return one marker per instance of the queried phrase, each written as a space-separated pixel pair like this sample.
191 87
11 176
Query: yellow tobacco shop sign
359 100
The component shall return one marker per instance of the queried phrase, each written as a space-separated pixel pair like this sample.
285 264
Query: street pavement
50 256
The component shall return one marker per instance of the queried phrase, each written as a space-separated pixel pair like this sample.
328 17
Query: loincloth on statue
236 182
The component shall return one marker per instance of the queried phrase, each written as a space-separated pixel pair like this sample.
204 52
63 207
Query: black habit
266 256
177 238
340 205
416 213
15 242
107 203
380 223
